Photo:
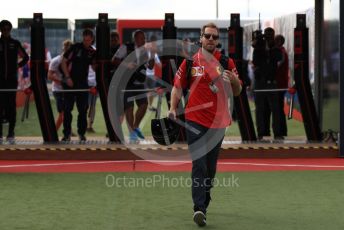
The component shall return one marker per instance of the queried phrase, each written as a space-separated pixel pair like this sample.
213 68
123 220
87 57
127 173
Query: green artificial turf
305 200
31 127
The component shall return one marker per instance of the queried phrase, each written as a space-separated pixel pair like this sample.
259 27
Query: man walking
210 79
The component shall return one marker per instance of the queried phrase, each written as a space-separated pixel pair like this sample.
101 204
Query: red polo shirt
204 106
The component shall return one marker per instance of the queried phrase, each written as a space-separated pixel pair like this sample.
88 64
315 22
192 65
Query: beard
210 48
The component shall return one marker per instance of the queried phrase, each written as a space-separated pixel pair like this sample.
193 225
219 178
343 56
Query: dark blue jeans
204 146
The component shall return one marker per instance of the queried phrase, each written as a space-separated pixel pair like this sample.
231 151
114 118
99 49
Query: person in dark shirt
265 59
114 46
75 65
114 43
10 49
282 79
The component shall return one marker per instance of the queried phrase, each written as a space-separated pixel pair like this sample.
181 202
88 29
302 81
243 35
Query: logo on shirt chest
197 71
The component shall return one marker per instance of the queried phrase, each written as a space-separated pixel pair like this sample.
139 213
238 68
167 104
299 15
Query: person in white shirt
55 74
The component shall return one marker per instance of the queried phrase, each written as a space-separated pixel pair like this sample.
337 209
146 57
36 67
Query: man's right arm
176 94
177 90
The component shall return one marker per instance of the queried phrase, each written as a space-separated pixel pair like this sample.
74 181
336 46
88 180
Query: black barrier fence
235 50
38 80
302 82
242 108
103 71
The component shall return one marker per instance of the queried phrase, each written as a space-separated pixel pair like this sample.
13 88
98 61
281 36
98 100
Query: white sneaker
199 218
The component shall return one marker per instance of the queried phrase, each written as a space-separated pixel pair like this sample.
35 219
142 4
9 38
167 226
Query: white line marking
166 161
163 161
63 164
281 165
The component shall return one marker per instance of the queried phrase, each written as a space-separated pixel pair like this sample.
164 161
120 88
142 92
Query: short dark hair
114 34
280 38
210 25
4 23
136 32
269 30
269 34
87 32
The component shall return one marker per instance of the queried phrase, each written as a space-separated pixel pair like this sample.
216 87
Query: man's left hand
229 76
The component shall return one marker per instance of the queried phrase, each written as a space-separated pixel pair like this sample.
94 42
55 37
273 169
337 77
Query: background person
55 74
75 66
282 80
10 50
151 78
265 59
119 52
114 46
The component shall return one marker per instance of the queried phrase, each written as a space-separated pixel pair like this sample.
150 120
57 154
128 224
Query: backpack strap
189 64
224 62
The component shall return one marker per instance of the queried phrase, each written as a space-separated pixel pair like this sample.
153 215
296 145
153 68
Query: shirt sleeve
54 64
232 67
121 52
180 79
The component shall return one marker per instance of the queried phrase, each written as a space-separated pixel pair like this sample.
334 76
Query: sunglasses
207 36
